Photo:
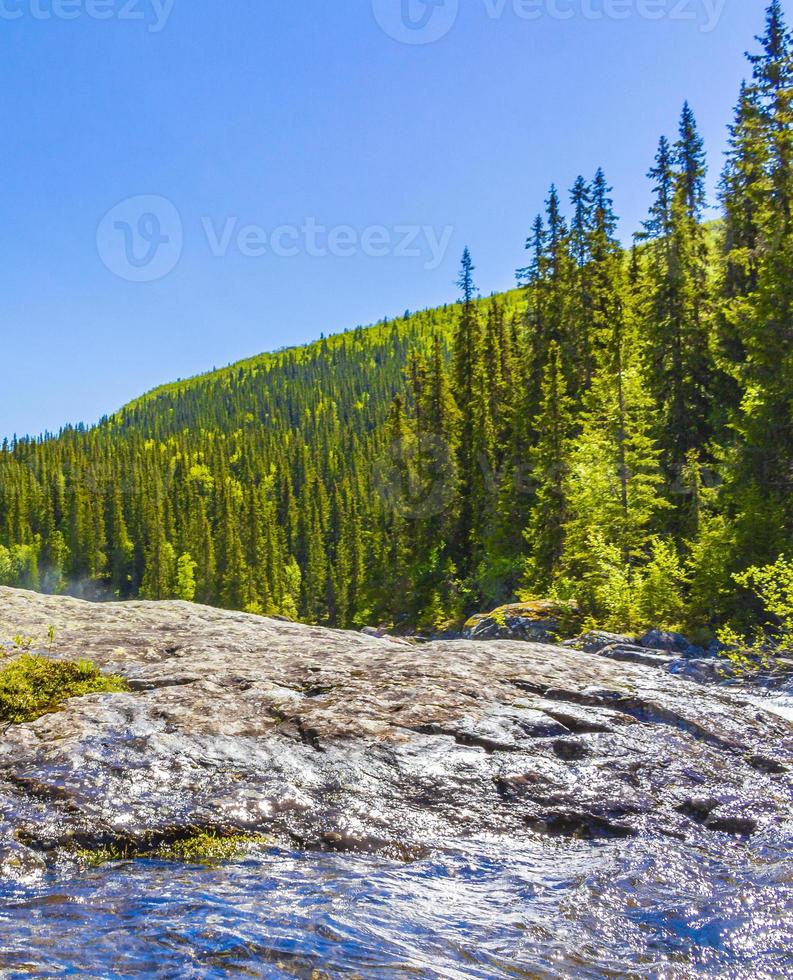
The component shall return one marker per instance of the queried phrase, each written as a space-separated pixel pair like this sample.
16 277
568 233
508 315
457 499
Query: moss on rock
206 847
33 686
542 620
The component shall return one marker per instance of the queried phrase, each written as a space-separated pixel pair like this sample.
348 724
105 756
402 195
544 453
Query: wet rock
703 671
731 824
570 749
580 721
239 724
503 730
765 764
728 812
574 823
20 863
699 808
515 787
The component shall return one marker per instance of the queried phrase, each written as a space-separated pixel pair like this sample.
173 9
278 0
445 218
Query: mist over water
642 908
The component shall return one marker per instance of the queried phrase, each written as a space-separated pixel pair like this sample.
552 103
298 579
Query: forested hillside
616 431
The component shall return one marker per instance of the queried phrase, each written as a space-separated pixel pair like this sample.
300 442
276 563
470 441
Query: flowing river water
634 908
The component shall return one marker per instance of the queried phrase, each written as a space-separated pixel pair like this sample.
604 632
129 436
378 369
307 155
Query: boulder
240 725
376 631
541 621
596 640
615 646
668 642
703 671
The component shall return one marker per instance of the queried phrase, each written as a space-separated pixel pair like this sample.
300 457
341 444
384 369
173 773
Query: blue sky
292 167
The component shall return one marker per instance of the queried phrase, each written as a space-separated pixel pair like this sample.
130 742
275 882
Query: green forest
615 431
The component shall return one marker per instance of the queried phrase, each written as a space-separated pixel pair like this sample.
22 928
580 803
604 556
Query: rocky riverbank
235 724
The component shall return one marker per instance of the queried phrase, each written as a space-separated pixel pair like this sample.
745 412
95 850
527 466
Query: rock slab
241 724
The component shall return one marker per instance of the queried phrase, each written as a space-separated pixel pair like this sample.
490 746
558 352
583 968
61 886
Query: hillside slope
360 369
228 487
616 433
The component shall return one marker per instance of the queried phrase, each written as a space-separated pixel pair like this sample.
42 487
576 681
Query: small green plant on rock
103 855
34 686
206 847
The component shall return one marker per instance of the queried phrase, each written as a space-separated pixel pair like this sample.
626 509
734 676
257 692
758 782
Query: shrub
662 586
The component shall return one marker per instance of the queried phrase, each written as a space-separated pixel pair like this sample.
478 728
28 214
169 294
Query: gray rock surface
237 723
596 640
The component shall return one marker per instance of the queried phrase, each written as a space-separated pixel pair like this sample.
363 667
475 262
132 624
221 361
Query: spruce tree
742 191
468 389
759 480
678 325
614 488
550 457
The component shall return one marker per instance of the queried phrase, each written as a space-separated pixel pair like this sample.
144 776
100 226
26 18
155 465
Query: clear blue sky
272 112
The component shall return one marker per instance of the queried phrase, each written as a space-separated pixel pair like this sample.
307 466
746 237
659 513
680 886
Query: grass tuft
34 686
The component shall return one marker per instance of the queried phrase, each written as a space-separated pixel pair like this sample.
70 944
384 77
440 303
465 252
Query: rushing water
781 704
569 909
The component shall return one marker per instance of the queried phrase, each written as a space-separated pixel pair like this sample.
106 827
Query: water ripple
631 909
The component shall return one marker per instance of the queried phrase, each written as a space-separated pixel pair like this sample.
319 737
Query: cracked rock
344 741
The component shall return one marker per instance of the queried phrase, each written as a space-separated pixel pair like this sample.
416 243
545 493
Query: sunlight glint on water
643 909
